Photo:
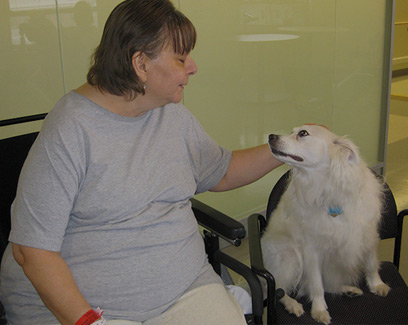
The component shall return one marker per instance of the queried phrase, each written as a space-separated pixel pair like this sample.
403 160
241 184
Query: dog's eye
303 133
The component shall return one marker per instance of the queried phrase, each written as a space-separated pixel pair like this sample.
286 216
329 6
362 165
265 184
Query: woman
102 215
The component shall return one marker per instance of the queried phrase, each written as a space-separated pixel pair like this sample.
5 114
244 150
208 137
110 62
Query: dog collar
335 211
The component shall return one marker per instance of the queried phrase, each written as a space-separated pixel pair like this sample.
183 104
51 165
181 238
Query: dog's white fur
308 250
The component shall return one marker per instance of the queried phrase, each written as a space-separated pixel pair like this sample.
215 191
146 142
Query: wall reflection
79 37
29 59
45 51
265 66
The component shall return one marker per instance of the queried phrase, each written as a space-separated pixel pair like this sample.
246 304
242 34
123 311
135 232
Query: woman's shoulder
66 108
64 120
177 107
71 105
178 112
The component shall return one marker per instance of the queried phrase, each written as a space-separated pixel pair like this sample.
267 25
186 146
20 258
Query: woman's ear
139 62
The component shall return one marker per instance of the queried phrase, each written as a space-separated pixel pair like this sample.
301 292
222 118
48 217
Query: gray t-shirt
112 194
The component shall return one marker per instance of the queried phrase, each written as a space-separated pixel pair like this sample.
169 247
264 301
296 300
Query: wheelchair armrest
218 222
3 320
398 238
254 237
252 280
401 216
257 264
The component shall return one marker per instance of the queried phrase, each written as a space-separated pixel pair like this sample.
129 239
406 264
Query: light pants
209 304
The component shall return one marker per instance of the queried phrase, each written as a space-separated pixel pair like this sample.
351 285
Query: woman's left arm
247 166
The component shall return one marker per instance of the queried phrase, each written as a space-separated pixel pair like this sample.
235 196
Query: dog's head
312 146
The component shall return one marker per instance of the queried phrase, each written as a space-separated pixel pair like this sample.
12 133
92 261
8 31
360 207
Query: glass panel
264 67
81 26
268 66
359 68
46 48
30 65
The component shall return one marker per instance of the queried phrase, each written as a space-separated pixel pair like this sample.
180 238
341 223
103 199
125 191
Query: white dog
323 235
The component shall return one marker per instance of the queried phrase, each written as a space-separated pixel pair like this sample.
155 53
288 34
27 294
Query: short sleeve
47 187
211 160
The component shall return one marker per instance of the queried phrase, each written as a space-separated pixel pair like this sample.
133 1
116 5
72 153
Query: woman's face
167 76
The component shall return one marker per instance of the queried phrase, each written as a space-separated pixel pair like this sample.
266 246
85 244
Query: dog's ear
347 150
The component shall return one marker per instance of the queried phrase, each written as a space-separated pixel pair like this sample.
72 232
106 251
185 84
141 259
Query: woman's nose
191 66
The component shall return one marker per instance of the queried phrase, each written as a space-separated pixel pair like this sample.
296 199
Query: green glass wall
264 66
267 66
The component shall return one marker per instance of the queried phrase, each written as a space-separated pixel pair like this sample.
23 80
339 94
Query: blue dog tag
335 211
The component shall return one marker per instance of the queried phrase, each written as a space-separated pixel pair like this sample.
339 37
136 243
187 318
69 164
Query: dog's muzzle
273 141
274 145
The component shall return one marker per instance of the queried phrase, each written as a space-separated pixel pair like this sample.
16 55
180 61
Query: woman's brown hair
137 26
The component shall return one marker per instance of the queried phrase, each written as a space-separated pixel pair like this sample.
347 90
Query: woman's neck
116 104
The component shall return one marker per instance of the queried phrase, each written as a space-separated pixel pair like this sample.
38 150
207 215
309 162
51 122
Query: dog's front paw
381 290
351 291
322 316
292 306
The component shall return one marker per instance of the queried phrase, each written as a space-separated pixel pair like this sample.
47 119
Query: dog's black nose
272 137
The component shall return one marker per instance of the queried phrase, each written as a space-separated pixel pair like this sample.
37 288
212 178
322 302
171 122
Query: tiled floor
396 175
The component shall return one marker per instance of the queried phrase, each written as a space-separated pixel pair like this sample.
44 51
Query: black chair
13 152
365 309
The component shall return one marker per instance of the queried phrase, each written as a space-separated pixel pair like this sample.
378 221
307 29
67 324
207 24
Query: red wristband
88 318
